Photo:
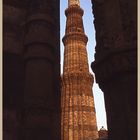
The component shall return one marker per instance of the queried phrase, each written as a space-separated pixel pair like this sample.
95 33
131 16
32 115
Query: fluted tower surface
78 118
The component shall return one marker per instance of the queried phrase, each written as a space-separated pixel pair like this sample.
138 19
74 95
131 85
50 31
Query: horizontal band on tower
74 9
84 127
75 36
79 108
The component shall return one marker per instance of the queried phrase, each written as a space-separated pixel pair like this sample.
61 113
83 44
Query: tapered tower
78 118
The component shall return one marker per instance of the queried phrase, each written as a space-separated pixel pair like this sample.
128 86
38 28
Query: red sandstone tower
78 118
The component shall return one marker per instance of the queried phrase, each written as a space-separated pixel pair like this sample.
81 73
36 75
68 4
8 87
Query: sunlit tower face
73 2
78 116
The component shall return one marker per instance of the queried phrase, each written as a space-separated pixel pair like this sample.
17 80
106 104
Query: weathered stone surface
115 64
31 70
78 117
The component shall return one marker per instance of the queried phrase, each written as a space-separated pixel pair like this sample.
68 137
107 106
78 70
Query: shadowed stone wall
31 67
115 64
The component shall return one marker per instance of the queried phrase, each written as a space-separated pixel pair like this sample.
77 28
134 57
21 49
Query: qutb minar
78 117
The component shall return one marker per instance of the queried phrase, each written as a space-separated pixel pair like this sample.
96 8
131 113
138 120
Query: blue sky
90 32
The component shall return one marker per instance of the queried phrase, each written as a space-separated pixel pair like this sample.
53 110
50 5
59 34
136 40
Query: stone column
41 116
13 69
115 64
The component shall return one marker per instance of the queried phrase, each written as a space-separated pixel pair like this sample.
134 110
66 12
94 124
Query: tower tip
73 2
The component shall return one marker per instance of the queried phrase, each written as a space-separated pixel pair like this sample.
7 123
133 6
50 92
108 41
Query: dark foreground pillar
13 80
13 69
115 64
41 116
31 70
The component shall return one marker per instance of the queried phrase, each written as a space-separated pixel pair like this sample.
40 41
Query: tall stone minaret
78 118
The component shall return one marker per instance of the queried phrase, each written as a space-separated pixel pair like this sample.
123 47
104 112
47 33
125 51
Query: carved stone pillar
115 64
41 96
